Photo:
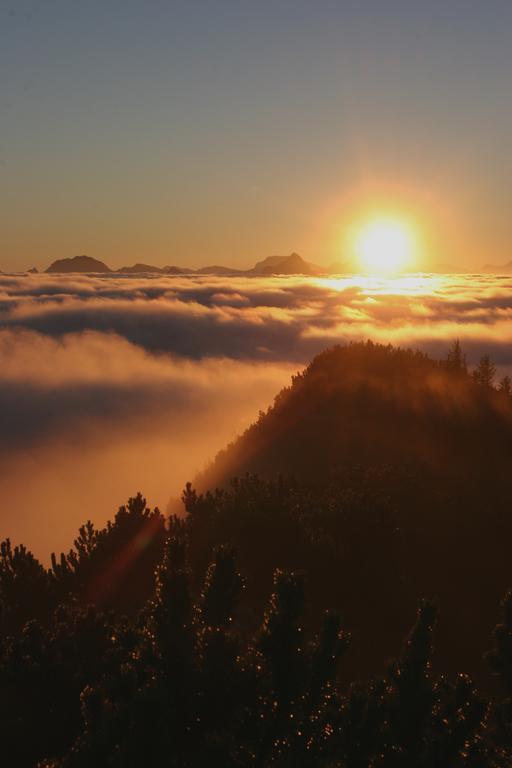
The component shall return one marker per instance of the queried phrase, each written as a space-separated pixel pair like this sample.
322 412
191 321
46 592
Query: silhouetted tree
500 658
42 674
456 359
505 385
183 687
170 613
412 692
113 567
222 588
25 588
281 641
500 661
485 372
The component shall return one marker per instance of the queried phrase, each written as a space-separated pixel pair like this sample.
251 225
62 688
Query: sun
385 245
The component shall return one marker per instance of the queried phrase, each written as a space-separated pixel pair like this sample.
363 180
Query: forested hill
369 405
215 638
400 466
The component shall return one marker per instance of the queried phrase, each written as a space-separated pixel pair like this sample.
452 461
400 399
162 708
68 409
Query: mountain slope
400 486
291 265
367 404
270 261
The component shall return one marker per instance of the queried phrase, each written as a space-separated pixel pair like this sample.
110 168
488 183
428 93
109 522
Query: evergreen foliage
185 685
485 372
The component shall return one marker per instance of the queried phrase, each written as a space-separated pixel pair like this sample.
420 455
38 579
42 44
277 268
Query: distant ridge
293 264
178 270
219 270
287 265
139 268
498 269
78 264
296 265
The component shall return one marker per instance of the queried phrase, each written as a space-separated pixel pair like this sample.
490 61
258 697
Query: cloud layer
111 384
262 319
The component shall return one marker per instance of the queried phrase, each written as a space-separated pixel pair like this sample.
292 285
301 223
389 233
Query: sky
226 131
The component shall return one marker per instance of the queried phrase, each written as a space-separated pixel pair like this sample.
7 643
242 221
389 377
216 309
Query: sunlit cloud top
266 319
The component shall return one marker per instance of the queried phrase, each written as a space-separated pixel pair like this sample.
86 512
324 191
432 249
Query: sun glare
385 246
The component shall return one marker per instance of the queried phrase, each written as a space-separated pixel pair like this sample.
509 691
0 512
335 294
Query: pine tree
281 640
505 385
25 588
500 661
170 622
484 373
412 694
222 588
457 725
455 358
220 671
500 658
280 647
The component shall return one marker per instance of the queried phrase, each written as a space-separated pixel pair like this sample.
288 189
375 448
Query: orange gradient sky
201 133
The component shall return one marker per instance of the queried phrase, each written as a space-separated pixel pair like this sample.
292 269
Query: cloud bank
262 319
111 384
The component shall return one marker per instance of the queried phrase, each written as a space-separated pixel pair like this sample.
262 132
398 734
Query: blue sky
206 132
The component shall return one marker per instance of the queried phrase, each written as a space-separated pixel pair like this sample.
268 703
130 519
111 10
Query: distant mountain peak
293 264
270 261
78 264
498 269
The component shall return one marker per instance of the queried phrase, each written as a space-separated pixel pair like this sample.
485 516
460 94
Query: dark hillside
400 467
371 405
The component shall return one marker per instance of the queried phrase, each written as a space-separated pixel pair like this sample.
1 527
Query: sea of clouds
113 384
